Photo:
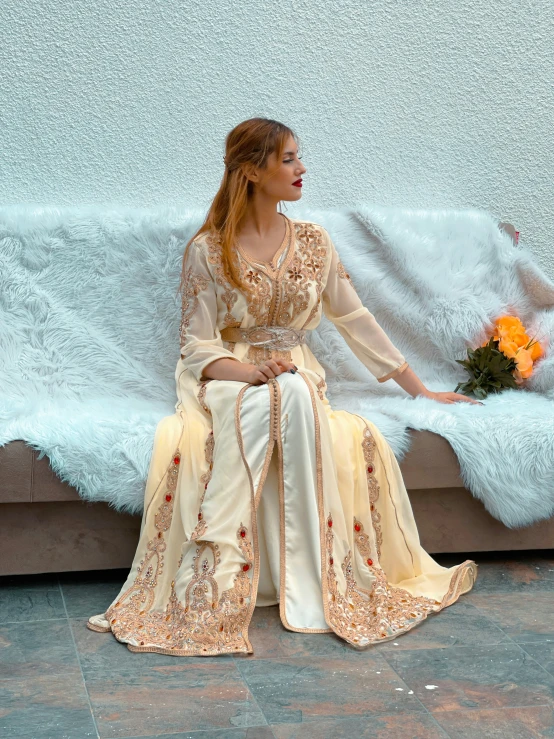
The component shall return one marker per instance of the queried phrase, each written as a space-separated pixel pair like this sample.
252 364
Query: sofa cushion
430 463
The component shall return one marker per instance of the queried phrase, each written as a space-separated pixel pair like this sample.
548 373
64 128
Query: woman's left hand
449 397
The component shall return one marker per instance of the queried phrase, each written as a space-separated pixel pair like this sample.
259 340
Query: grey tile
499 723
18 604
254 732
473 677
523 619
165 699
303 689
45 707
541 652
270 639
407 726
89 597
37 648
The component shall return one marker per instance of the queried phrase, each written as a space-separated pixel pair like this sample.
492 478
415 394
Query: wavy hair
247 146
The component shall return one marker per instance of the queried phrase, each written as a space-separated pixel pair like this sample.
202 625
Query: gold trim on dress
394 373
194 284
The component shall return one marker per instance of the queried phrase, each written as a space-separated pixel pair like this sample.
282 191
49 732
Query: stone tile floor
482 668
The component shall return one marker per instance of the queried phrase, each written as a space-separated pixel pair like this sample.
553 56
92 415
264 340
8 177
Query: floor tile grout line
215 732
79 663
33 621
249 689
425 709
550 674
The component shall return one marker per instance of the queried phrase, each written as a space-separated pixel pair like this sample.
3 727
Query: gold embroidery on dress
201 527
202 395
320 386
140 596
343 273
206 624
278 300
306 268
363 616
229 296
194 283
368 447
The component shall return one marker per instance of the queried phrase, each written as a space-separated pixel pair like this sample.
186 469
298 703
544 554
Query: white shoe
98 623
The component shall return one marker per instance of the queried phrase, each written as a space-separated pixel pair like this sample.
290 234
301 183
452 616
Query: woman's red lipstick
298 183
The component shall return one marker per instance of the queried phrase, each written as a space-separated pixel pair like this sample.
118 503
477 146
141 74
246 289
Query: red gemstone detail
176 460
329 523
168 498
200 516
357 527
370 469
331 560
370 562
245 568
243 533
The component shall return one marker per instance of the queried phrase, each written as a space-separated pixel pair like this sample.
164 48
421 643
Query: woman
258 491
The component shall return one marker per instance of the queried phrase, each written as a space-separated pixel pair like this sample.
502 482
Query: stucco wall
415 103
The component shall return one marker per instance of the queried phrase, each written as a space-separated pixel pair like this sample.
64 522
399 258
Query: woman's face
289 170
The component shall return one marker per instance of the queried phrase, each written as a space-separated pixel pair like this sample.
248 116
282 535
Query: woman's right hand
271 368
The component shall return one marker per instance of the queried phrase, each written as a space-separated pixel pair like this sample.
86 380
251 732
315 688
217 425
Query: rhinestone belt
267 337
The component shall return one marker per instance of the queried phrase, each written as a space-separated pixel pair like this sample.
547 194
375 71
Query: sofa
46 527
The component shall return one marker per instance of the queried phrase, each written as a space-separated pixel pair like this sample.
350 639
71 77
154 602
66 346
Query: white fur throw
89 341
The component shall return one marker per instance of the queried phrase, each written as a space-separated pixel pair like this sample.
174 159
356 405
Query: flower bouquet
504 360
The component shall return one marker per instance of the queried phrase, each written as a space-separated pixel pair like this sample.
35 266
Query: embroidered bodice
304 279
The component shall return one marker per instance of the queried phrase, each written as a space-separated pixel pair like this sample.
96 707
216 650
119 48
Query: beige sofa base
76 535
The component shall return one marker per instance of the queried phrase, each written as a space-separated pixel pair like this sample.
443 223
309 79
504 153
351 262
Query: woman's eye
290 160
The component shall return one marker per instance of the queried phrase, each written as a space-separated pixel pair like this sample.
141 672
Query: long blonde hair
247 145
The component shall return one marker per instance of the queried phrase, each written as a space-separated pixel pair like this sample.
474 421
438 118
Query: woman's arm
366 338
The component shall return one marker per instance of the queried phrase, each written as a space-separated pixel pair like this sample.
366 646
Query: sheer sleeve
342 305
201 341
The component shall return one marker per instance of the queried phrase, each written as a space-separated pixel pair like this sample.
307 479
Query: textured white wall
414 103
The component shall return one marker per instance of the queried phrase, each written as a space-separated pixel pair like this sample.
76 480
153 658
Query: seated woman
259 492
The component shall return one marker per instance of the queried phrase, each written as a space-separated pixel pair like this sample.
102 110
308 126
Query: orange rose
536 351
508 347
520 338
508 325
524 363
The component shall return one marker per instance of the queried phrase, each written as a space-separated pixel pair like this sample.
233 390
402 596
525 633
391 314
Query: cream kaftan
264 494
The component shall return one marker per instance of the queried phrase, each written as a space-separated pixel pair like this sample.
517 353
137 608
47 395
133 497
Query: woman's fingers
272 368
273 365
267 371
464 399
286 366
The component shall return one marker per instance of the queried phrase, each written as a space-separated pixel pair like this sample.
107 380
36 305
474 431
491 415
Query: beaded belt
266 337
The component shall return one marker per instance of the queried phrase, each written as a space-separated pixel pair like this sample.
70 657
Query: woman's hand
271 368
449 397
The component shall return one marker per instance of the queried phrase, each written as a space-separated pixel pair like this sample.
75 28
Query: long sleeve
359 328
201 341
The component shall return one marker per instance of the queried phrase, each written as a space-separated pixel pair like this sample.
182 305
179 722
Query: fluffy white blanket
89 323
